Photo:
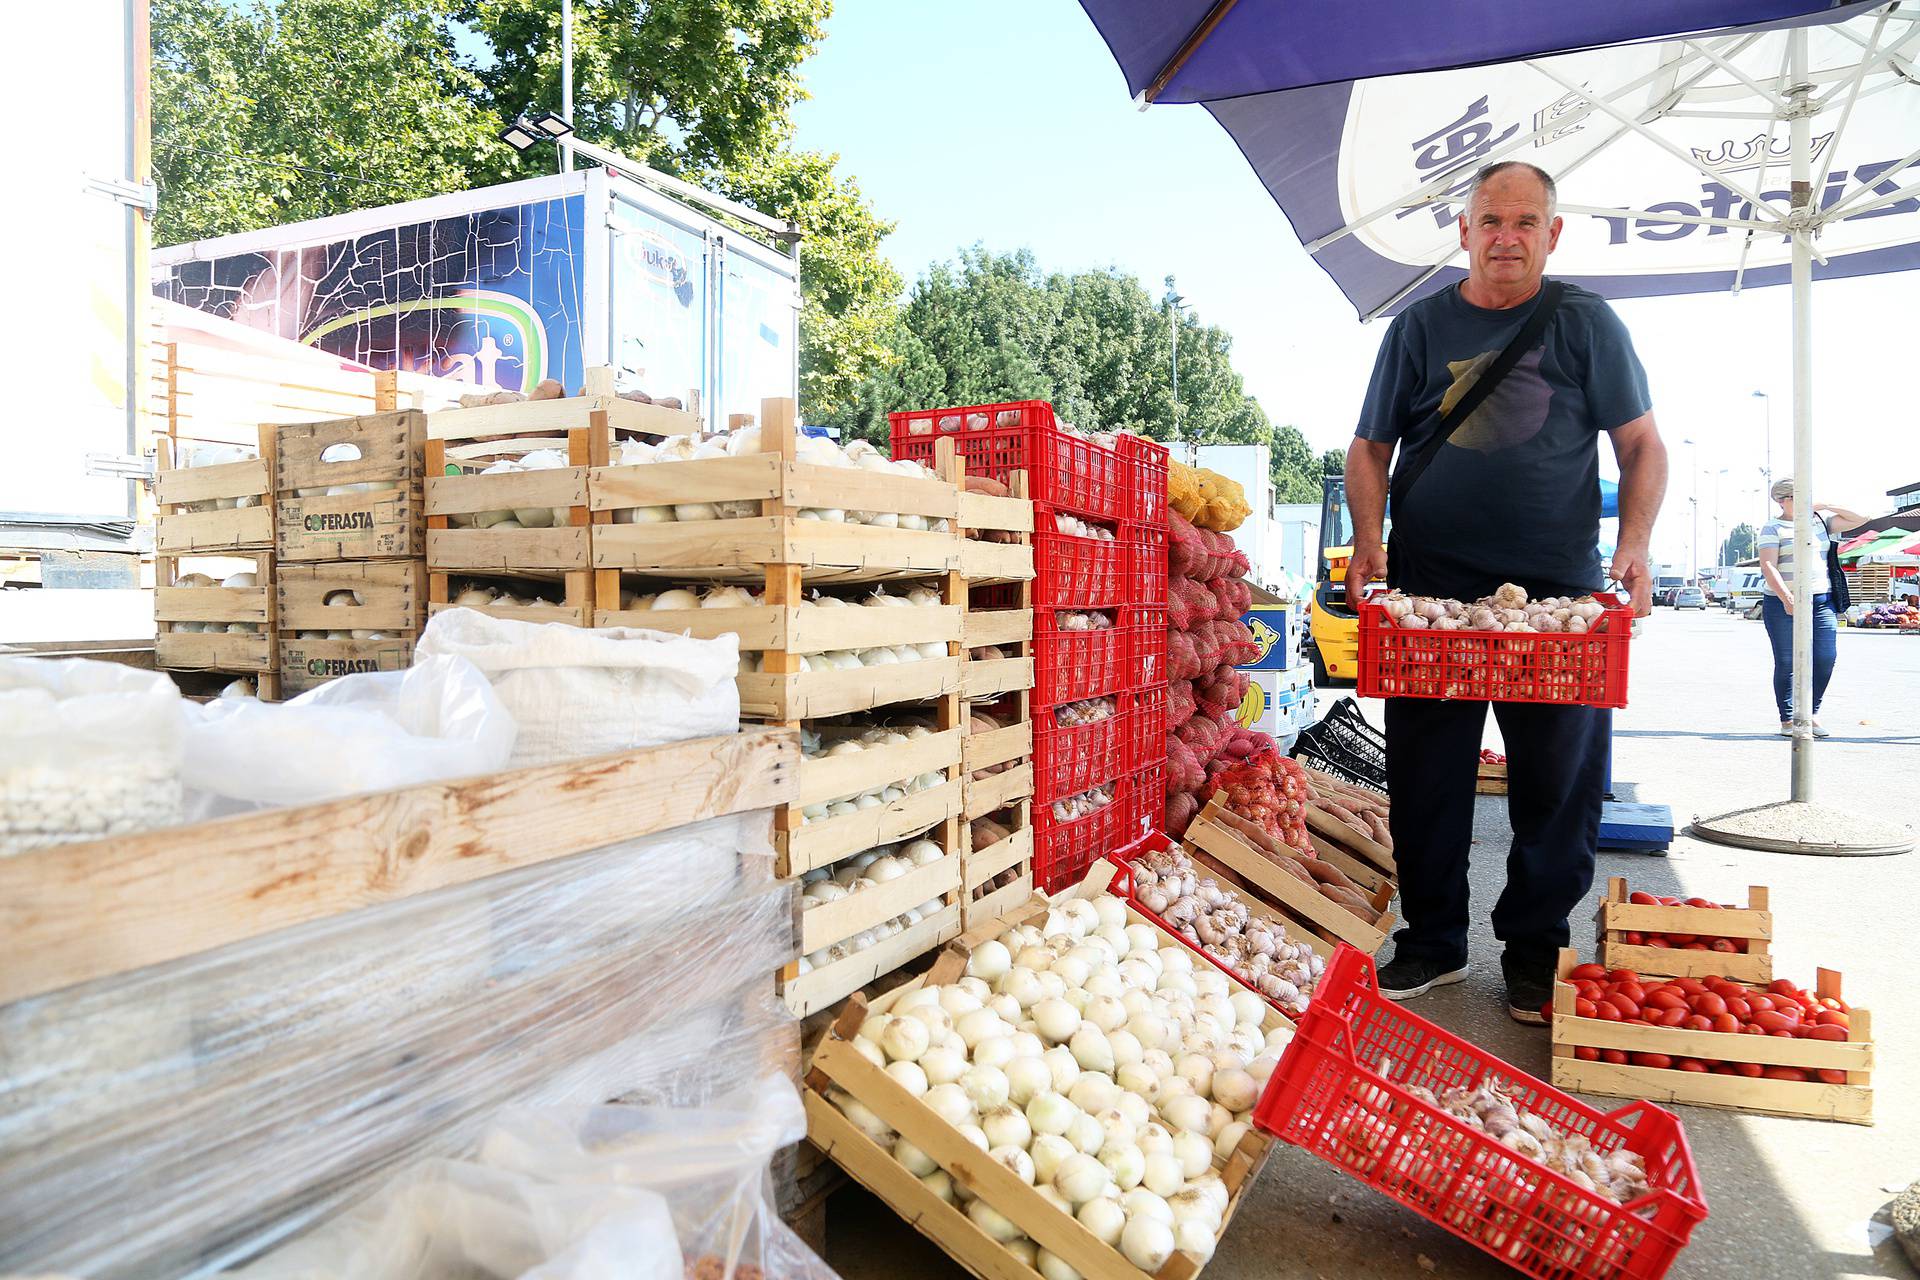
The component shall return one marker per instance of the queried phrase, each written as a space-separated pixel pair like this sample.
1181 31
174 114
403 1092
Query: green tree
1333 462
302 108
1739 544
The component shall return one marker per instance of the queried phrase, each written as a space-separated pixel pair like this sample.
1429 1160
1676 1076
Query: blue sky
1007 122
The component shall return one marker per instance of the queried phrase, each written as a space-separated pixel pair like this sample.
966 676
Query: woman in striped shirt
1776 609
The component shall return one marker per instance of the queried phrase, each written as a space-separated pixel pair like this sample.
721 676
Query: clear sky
1007 122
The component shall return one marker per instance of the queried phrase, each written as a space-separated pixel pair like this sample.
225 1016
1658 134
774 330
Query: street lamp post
1693 557
1176 305
1767 402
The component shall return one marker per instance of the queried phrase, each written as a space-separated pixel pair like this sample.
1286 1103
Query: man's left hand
1630 571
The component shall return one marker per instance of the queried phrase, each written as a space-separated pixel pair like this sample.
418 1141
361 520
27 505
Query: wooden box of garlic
349 489
346 616
1065 1093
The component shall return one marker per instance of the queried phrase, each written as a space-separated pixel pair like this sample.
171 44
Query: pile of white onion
517 517
852 741
342 452
812 450
244 578
480 595
1507 610
1109 1071
735 597
856 874
343 599
1216 919
1079 806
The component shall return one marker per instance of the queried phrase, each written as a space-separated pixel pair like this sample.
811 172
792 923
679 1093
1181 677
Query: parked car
1690 598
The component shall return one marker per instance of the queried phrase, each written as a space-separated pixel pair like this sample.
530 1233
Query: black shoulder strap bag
1839 591
1414 466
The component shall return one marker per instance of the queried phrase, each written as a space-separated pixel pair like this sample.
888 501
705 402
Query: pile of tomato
1489 756
1706 1004
1682 941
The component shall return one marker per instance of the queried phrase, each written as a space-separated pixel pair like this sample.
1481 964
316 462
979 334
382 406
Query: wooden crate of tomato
1686 937
1710 1041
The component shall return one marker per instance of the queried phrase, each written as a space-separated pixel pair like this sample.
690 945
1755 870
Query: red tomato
1666 998
1738 1007
1833 1003
1692 986
1691 1064
1697 1022
1751 1070
1709 1004
1642 897
1827 1075
1783 1073
1752 1029
1617 1057
1726 1024
1658 941
1632 991
1832 1018
1724 946
1724 989
1824 1031
1591 972
1695 946
1669 902
1628 1009
1703 904
1634 938
1652 1060
1682 939
1784 1035
1583 1008
1783 987
1587 988
1723 1069
1759 1004
1623 975
1586 1053
1667 1017
1606 1012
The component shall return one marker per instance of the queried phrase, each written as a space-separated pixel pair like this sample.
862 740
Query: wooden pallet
1212 839
837 1063
392 596
381 524
1851 1102
1752 923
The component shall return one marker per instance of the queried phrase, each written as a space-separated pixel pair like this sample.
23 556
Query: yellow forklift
1334 625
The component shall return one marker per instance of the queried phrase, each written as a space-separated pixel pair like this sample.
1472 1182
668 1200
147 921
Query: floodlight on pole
519 136
552 126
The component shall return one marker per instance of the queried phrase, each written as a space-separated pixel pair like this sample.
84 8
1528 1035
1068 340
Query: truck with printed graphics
507 285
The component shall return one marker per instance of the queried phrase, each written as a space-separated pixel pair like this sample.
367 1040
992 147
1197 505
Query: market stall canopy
1669 147
1894 549
1892 541
1857 542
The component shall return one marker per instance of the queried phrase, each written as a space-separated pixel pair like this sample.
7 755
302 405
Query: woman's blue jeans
1780 632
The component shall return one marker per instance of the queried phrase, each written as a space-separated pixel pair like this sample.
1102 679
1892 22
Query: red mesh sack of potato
1179 700
1181 811
1185 551
1183 656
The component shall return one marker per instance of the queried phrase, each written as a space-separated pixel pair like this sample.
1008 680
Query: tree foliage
272 111
1740 545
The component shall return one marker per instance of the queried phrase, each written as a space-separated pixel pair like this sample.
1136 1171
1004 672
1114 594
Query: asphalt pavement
1789 1199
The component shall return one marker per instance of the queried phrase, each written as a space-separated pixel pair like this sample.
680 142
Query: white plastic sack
87 750
575 692
368 731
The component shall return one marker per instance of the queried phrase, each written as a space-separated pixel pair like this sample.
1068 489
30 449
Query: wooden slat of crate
722 548
174 486
831 922
213 532
308 664
821 987
1337 832
77 912
1000 627
529 416
1491 780
986 679
984 864
575 608
807 695
215 651
1364 874
1287 894
988 907
1851 1102
392 595
995 561
389 445
984 511
825 778
847 489
1754 923
815 844
383 523
997 746
998 790
807 629
253 605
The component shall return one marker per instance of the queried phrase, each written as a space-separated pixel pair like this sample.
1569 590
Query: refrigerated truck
507 285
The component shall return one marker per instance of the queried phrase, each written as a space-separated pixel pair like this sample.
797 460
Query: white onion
909 1076
1047 1112
1081 1178
1091 1049
1147 1242
1188 1113
1124 1164
991 1221
1016 1160
916 1162
1056 1019
1197 1070
1138 1080
939 1183
975 1134
1026 1077
1235 1090
943 1066
989 960
1229 1138
979 1024
949 1101
1051 1267
1104 1218
1194 1238
1194 1152
1006 1127
1093 1092
1062 1065
1085 1133
1161 1174
905 1039
985 1087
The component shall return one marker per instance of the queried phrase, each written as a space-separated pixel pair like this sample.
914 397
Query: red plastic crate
1497 666
1147 463
1146 628
1361 1119
1146 734
1069 760
996 440
1147 801
1071 665
1076 573
1062 851
1146 563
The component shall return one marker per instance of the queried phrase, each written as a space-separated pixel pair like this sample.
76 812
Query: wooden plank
1703 1089
214 651
506 550
573 617
812 694
984 864
995 561
818 544
831 922
526 416
247 479
1361 873
73 913
505 491
825 778
819 988
992 906
382 524
997 746
308 664
851 489
1001 627
211 532
988 679
253 605
1713 1046
983 511
815 844
808 629
997 791
392 595
692 546
750 477
388 444
1341 834
1287 893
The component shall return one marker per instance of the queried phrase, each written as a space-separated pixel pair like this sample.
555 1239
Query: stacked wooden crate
212 518
348 533
539 566
783 560
996 562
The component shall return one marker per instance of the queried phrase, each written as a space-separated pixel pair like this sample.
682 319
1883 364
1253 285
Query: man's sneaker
1530 996
1404 977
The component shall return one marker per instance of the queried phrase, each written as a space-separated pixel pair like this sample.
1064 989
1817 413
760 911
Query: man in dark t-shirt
1512 496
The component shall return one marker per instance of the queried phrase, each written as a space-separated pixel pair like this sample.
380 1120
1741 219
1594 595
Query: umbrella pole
1800 131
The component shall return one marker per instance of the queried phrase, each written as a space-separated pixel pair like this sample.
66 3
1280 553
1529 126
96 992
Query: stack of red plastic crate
1099 619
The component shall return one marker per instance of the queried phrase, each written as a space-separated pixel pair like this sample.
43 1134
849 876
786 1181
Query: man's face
1506 231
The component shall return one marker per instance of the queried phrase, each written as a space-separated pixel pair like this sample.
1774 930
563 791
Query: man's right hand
1369 564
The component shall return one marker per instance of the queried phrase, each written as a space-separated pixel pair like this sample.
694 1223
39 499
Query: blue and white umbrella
1698 145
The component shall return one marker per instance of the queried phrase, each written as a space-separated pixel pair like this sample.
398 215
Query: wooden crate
385 523
185 524
1851 1102
804 846
392 596
1212 840
1753 923
984 561
252 652
1491 780
837 1063
1009 793
1335 840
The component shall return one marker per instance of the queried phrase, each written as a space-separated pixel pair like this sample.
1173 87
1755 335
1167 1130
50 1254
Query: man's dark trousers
1556 771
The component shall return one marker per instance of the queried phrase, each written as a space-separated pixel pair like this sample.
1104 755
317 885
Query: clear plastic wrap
180 1119
87 750
642 1193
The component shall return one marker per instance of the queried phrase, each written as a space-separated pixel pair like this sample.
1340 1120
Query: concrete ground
1789 1198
